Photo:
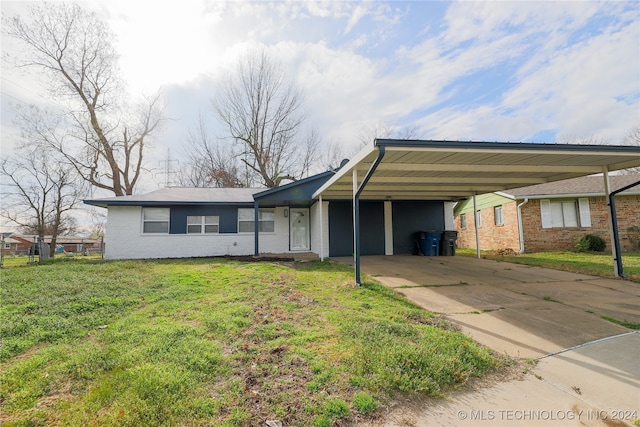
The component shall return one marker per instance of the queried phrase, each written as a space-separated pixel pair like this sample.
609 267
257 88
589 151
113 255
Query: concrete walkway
588 371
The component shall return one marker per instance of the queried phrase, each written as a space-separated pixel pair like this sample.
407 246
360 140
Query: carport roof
453 170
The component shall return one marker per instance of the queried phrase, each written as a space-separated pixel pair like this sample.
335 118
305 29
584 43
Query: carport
448 171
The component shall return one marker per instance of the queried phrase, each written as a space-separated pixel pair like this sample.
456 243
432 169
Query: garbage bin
448 244
429 242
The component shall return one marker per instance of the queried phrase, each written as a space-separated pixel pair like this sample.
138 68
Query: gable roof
582 186
585 186
299 192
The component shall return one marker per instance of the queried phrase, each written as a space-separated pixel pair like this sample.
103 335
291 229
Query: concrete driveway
588 371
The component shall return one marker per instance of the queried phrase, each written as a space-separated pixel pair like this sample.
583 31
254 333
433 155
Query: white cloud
572 67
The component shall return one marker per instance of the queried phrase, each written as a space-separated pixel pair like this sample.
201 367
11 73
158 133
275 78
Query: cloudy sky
506 71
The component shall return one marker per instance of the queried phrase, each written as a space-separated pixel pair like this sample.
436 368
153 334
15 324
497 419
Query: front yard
215 342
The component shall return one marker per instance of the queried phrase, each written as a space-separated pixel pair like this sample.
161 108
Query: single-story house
19 244
197 222
9 244
374 204
552 216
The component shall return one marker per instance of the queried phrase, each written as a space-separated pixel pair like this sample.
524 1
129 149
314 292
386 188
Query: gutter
520 230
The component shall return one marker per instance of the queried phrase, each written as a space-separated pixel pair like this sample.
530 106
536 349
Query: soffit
441 170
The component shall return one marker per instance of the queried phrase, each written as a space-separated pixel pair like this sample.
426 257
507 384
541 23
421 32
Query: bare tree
335 154
98 223
632 138
41 192
583 140
262 112
310 153
104 137
208 164
382 129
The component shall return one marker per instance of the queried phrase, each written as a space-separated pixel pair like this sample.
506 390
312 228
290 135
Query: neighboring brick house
550 217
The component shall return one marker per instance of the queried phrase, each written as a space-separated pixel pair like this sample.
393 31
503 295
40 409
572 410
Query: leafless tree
104 136
98 223
208 164
40 192
262 112
68 225
632 138
583 140
382 129
335 153
310 152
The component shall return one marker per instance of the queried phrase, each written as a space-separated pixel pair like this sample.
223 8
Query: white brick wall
448 216
315 228
125 239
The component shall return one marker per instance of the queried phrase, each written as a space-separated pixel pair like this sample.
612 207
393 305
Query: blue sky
506 71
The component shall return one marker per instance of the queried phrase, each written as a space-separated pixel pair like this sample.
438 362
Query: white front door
299 229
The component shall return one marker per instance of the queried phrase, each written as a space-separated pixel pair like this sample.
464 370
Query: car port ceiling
446 170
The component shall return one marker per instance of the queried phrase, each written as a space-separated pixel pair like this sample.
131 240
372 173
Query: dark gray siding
410 217
341 228
228 217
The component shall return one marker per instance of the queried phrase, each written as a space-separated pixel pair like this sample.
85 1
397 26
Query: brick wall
538 239
492 236
560 239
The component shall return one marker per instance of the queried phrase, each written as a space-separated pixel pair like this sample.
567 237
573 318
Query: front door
299 229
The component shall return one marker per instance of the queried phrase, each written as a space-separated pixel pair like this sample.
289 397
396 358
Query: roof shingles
587 185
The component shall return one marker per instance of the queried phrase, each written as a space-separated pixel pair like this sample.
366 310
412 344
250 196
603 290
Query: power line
21 86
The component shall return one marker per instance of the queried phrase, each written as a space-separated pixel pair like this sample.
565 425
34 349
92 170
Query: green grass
214 342
595 264
626 324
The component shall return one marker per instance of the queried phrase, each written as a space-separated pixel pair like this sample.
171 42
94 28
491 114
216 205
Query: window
203 224
266 221
478 219
463 220
565 213
497 211
155 220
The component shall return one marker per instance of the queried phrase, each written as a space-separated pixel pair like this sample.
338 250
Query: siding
483 201
341 228
411 217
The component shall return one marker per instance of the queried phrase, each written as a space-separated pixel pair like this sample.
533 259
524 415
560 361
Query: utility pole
167 167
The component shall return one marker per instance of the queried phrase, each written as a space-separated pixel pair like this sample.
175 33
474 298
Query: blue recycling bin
429 242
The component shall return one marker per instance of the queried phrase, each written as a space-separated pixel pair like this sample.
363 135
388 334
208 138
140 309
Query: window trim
166 211
203 224
583 212
498 215
260 220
